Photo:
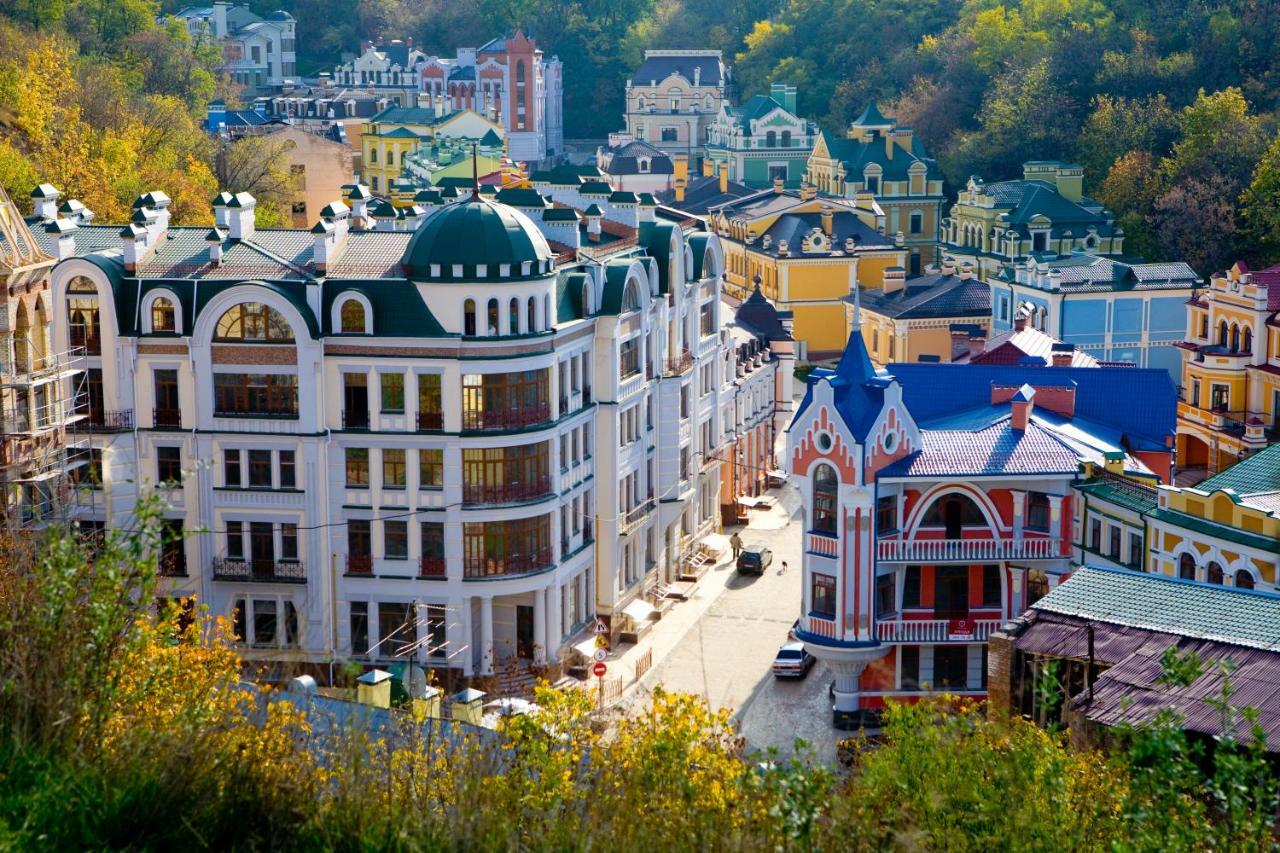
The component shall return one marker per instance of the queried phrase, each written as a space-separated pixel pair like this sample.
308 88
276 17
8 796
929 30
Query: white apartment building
256 51
456 444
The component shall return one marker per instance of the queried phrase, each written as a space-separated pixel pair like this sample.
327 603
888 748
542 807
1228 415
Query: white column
1015 603
1019 510
555 624
539 626
486 635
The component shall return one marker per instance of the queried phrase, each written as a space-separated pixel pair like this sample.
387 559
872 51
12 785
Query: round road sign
599 669
601 654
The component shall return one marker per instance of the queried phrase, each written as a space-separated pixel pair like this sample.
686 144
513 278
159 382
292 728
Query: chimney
827 218
708 166
1019 321
808 191
948 266
977 344
593 215
134 246
1113 462
220 202
46 201
158 203
214 238
777 185
680 178
697 75
1062 354
1022 405
358 196
966 269
894 279
724 177
647 207
65 230
330 235
241 217
1070 181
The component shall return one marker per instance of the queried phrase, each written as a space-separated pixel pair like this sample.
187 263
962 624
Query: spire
475 173
857 307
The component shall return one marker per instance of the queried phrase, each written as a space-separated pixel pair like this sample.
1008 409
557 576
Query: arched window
83 324
513 317
1247 344
253 321
1235 338
1215 575
1187 567
533 314
770 139
1222 333
469 318
825 508
1204 326
953 512
1244 580
631 297
352 317
162 316
491 319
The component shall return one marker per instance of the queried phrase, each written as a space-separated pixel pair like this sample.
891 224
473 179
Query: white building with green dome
457 444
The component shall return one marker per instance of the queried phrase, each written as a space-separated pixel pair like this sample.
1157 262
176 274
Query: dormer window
162 316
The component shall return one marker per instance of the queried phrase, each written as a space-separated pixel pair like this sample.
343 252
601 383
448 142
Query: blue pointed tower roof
858 390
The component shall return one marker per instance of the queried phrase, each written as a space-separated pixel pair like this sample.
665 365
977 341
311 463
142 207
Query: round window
890 441
824 441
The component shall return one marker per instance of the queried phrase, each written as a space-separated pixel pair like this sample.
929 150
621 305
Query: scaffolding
42 393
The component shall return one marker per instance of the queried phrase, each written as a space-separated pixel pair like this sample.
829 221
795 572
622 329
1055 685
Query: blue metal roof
1140 402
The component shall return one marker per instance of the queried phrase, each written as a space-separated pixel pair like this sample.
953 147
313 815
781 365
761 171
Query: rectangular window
395 540
396 624
289 542
358 538
231 468
1037 512
358 467
168 464
823 596
359 620
885 595
430 413
1095 534
1135 550
288 470
393 469
432 540
873 184
165 384
910 667
392 393
706 320
911 587
235 540
431 468
629 358
264 622
1115 542
886 514
951 667
255 395
992 581
437 631
917 223
259 469
355 401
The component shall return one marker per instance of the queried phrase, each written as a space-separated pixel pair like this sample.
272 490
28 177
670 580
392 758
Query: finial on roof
475 172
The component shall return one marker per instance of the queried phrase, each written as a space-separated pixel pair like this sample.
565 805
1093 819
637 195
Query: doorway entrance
524 631
951 596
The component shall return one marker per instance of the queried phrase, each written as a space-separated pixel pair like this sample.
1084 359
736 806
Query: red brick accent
248 354
1055 398
806 452
162 349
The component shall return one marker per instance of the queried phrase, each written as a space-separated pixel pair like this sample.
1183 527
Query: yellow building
918 319
881 157
396 133
807 254
1226 530
1230 406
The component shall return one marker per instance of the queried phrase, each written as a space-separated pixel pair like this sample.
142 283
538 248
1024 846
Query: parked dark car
754 559
793 661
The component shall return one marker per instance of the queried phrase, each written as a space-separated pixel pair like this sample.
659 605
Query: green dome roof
472 233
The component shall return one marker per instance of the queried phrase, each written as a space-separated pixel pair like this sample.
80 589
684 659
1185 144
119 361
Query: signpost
598 671
601 654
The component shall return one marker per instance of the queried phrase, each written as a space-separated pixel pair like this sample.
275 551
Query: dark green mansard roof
475 232
398 309
569 297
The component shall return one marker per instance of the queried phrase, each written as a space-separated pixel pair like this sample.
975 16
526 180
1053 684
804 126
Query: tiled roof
998 449
931 296
1140 403
1011 346
872 117
856 155
657 67
1158 603
794 227
703 193
760 316
1211 529
1259 474
1124 492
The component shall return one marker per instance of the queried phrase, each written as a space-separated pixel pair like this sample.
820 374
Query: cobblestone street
726 655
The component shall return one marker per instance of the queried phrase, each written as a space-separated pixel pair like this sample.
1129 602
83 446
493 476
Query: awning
586 648
747 501
717 542
638 610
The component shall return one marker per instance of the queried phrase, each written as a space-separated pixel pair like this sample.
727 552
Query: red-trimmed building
939 501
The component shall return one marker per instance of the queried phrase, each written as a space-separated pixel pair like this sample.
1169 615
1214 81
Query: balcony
506 493
430 421
120 420
355 420
510 419
274 571
936 630
635 516
679 365
968 550
512 564
824 544
432 568
360 564
162 418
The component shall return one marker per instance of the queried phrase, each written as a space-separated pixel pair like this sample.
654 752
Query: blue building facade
1115 311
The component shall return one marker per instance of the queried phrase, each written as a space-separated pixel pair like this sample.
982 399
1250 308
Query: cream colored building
674 96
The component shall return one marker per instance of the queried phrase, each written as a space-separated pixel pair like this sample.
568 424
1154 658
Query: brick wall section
1055 398
1000 674
162 349
238 354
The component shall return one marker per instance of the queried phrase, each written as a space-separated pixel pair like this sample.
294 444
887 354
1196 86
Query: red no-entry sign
599 669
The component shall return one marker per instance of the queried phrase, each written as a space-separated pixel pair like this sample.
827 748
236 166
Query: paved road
726 656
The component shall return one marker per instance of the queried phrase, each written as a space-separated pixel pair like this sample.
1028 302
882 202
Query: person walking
736 541
783 570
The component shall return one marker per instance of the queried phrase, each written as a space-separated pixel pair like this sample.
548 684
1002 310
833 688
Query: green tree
1260 208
